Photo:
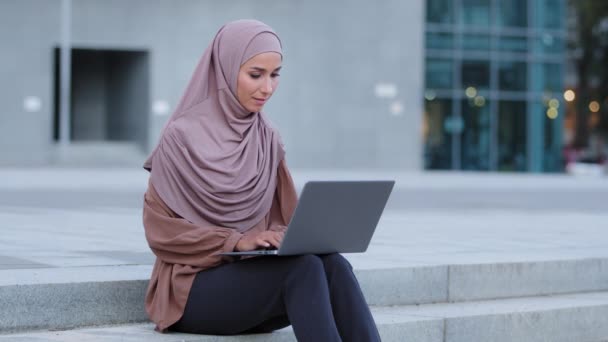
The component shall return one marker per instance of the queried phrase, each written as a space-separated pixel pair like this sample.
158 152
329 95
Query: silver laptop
332 216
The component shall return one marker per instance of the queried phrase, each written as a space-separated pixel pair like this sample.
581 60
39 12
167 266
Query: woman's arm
285 200
178 241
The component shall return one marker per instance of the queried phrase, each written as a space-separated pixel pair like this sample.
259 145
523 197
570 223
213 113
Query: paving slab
90 237
120 178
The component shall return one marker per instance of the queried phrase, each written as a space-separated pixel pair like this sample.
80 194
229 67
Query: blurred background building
350 92
494 84
410 85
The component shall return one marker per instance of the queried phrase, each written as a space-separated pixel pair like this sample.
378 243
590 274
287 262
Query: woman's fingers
262 242
279 228
268 238
275 241
277 238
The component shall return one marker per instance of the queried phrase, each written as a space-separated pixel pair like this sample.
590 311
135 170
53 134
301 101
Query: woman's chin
255 109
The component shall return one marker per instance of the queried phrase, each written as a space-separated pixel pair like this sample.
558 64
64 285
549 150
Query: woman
219 183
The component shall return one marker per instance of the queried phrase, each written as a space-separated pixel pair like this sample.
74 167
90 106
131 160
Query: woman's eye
275 75
254 76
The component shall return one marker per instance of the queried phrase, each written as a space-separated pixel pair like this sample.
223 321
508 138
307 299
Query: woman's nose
267 86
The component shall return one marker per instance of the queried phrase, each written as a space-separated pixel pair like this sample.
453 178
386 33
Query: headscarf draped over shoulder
216 162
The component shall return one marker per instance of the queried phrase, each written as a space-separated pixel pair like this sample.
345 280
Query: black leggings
318 294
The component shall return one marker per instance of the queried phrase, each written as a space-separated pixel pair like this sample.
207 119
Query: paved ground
66 218
123 188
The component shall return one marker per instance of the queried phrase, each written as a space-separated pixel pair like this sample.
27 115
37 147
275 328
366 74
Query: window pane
512 136
548 44
475 74
438 141
475 138
476 42
439 40
439 73
547 77
512 76
439 11
517 44
553 123
549 13
475 12
552 80
513 13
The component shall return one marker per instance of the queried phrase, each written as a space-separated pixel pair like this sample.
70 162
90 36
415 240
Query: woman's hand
278 228
264 239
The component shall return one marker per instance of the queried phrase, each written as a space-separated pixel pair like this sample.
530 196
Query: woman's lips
259 101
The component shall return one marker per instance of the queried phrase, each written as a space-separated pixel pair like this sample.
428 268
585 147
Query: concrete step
567 318
60 298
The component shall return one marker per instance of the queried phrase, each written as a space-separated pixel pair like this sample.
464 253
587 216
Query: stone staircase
545 300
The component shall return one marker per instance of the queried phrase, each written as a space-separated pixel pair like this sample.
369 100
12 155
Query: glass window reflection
552 77
516 44
513 13
476 42
549 13
437 139
552 123
439 41
439 11
475 12
512 128
475 73
491 62
549 43
439 73
512 76
475 138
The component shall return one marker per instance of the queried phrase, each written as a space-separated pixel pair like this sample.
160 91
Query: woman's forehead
266 60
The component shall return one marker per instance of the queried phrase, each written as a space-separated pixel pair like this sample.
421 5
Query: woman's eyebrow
262 69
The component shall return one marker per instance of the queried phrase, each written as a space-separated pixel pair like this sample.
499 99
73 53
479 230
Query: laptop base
255 252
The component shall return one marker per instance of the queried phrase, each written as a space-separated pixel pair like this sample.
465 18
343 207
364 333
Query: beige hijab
215 161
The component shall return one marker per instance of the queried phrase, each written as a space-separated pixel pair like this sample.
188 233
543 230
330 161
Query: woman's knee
335 261
306 265
306 261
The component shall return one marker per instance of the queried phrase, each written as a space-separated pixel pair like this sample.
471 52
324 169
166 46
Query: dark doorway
109 96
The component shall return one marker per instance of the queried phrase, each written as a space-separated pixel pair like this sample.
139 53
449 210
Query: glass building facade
494 84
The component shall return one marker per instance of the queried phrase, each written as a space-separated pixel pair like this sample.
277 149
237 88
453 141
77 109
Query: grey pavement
92 217
103 236
123 188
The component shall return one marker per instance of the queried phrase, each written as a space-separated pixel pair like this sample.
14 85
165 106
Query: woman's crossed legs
318 294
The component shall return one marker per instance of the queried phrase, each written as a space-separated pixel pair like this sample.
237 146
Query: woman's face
258 79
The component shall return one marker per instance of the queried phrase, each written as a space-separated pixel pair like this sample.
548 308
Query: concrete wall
28 30
335 53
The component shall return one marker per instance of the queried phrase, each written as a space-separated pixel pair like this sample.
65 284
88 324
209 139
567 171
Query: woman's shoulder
153 200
